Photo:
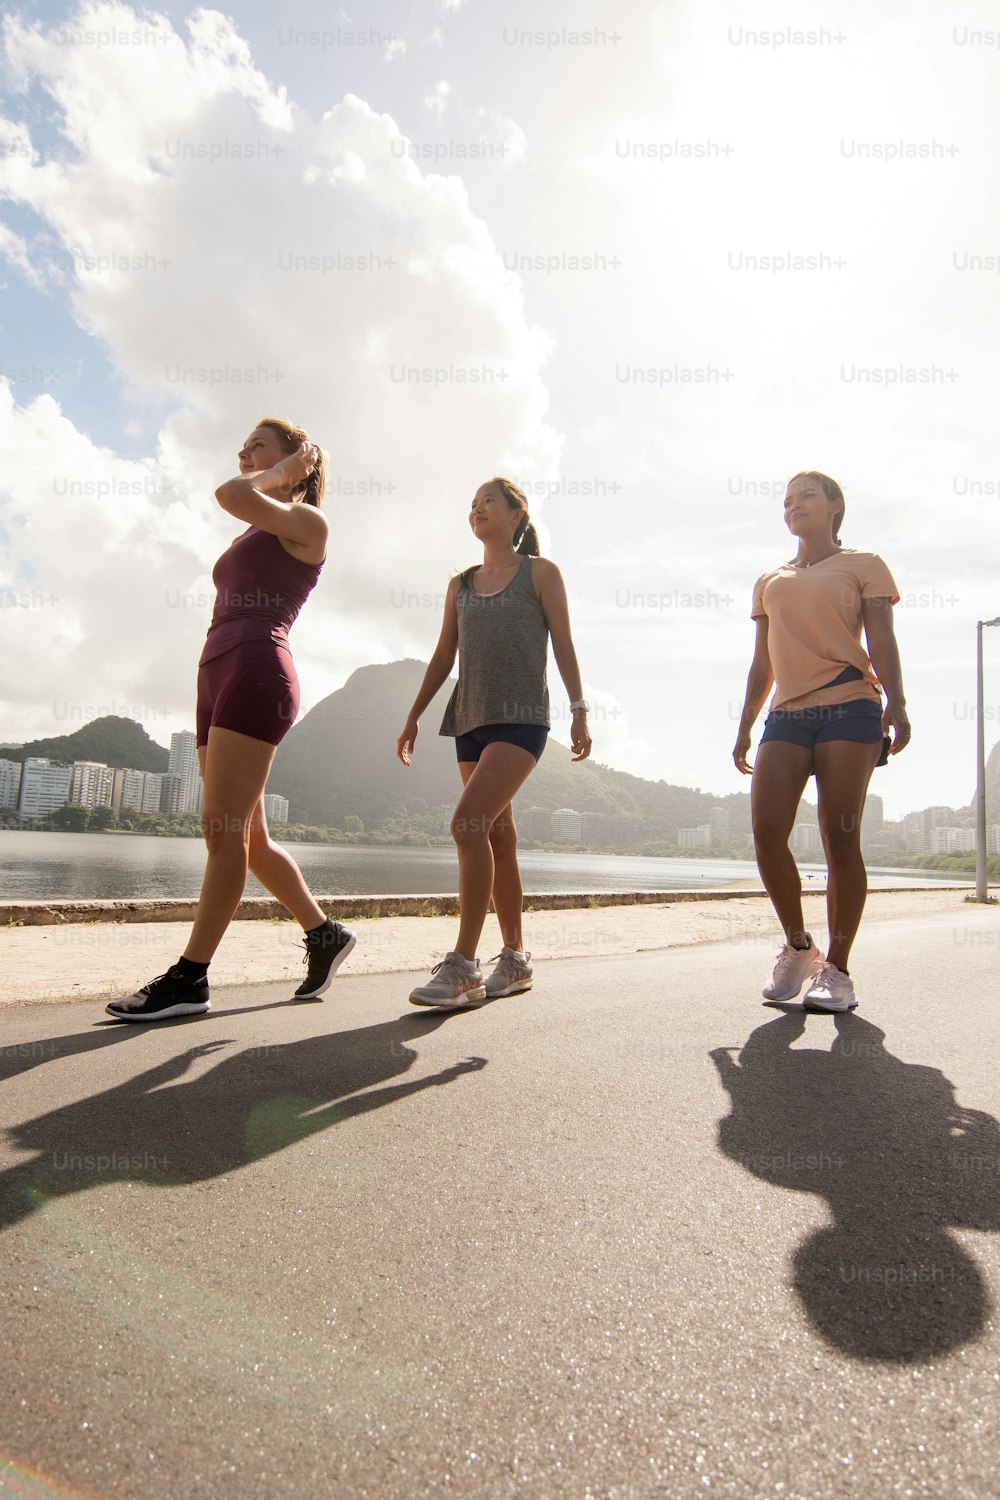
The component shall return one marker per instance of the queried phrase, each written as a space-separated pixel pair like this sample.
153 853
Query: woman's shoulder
865 565
860 554
769 573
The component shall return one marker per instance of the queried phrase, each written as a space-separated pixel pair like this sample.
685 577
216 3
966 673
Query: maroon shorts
252 689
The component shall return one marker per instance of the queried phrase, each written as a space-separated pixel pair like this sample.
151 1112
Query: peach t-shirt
814 627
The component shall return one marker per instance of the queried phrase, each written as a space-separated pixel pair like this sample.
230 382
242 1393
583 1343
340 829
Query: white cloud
216 233
512 140
14 248
437 100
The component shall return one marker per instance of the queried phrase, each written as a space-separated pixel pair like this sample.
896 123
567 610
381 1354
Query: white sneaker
831 989
456 982
512 975
794 967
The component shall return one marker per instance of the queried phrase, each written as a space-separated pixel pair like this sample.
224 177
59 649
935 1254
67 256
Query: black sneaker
170 994
326 950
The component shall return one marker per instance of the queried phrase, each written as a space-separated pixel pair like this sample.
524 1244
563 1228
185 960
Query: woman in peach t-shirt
827 719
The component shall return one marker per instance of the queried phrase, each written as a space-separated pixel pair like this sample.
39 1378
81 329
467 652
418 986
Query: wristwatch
580 703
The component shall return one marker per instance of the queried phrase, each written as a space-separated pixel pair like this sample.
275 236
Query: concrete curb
343 908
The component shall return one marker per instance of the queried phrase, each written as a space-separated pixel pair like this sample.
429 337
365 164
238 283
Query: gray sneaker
511 976
456 982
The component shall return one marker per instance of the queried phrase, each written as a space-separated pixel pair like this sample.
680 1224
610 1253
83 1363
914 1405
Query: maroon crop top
260 590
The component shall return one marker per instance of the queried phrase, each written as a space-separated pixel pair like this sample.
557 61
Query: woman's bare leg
780 773
278 872
508 894
495 777
843 771
234 768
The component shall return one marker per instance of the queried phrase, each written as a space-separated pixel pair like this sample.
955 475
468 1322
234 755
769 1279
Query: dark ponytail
525 538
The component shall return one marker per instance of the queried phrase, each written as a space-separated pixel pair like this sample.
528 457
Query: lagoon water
109 866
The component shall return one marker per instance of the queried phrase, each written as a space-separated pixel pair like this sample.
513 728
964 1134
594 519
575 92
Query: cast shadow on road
20 1057
899 1163
161 1129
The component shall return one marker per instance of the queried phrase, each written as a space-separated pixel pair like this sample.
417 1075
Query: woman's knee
470 828
222 830
770 835
503 837
841 837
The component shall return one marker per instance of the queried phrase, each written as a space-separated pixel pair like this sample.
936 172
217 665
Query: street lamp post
981 625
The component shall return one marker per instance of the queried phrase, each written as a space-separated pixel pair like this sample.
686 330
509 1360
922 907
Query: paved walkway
628 1235
106 959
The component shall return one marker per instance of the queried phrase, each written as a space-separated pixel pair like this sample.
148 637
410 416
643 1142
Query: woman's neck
814 549
498 556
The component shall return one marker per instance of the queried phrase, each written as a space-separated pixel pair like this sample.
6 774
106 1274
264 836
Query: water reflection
108 866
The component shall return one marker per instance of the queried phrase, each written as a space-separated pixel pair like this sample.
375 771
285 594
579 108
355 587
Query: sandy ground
104 960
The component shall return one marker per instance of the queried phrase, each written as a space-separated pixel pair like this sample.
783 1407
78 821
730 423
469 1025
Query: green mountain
111 740
341 759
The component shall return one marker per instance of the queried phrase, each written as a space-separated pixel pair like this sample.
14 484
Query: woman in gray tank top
497 619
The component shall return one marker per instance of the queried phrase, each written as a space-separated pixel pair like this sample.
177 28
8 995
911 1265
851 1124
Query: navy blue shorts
859 721
530 737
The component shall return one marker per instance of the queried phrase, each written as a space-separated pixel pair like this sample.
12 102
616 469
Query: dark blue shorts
530 737
859 721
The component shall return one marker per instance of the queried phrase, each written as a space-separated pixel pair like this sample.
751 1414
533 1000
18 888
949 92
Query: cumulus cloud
437 100
235 258
512 140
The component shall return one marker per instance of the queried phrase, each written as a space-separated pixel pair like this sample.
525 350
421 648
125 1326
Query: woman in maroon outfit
248 696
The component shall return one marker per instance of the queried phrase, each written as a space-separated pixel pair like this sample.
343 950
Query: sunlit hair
832 491
525 538
291 436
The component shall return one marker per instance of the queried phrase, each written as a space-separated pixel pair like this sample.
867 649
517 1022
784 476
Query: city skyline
179 790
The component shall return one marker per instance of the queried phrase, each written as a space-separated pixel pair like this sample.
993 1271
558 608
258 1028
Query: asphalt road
629 1234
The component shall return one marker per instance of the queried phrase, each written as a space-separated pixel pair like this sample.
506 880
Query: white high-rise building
914 841
275 808
91 784
44 787
171 793
718 822
950 839
184 764
136 791
10 782
126 790
152 791
567 826
806 839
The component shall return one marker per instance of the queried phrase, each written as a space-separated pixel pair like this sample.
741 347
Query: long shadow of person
155 1128
20 1057
899 1162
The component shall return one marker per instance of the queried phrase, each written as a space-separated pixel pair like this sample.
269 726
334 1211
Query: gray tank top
503 644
